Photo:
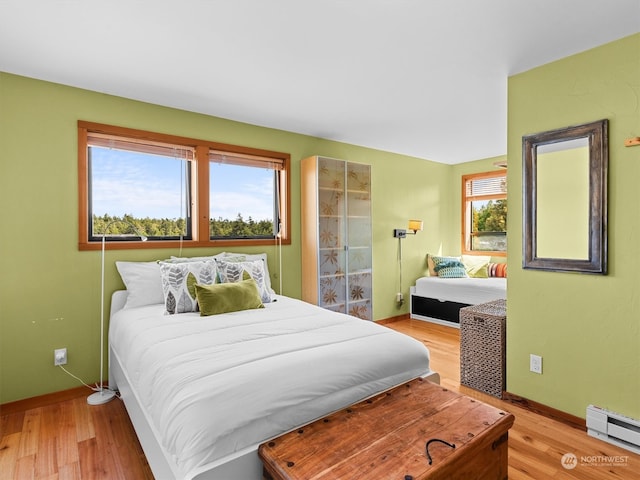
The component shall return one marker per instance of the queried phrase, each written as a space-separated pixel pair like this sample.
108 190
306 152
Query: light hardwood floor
71 440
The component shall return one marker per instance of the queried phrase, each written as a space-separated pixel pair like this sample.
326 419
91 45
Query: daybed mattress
471 291
211 386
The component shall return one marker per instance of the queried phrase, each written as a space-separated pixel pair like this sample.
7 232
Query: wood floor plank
107 444
11 423
84 422
25 467
90 461
70 471
30 433
66 438
9 445
46 461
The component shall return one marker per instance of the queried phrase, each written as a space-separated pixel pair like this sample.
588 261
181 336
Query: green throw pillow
228 297
476 266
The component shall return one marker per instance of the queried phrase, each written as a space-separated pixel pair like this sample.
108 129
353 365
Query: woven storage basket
482 347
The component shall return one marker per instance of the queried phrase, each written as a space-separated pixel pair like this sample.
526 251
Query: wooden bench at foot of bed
393 436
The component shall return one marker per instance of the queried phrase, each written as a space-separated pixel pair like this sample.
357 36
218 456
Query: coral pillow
497 270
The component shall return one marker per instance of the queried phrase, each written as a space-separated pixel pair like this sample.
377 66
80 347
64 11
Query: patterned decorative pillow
449 267
230 257
232 272
248 257
497 270
179 280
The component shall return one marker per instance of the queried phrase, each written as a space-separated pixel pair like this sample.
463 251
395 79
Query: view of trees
490 226
174 227
491 217
240 228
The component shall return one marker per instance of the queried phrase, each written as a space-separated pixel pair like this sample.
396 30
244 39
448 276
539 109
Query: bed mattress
212 386
470 291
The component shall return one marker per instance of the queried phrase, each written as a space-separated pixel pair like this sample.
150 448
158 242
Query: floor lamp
104 395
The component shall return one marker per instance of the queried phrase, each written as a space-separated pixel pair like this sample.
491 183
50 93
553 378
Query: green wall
50 291
586 327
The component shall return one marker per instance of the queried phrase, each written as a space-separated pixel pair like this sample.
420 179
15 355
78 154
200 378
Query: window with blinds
484 213
135 184
138 188
244 193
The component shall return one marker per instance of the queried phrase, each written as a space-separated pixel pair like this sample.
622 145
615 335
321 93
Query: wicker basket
482 347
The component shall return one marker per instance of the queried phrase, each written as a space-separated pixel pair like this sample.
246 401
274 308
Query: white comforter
214 385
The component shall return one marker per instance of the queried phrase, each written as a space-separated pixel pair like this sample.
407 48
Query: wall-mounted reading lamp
414 227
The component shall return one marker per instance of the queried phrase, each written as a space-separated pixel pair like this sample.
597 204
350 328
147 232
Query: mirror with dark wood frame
565 199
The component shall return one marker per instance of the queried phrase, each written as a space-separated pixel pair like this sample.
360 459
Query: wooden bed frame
245 464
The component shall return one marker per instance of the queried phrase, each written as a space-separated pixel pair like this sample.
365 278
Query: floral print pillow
179 280
233 272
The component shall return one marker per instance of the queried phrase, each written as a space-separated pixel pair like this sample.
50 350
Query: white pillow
178 283
142 280
230 272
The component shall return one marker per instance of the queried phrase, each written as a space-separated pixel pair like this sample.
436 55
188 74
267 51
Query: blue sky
150 186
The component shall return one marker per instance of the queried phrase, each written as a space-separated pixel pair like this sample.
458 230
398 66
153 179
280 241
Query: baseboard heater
613 428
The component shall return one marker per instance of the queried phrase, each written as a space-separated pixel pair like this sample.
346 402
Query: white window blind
246 160
140 146
486 187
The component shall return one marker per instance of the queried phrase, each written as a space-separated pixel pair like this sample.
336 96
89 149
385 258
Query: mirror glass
562 199
565 199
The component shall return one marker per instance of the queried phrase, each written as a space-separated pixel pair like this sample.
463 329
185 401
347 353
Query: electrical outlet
399 297
535 363
59 356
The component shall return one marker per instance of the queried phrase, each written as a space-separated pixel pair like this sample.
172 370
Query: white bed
439 299
204 392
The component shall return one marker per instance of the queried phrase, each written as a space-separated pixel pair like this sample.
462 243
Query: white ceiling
424 78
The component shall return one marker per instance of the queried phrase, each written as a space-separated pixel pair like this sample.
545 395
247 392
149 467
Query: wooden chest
386 437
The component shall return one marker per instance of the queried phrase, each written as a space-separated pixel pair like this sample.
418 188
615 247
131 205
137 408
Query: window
177 191
484 213
243 198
